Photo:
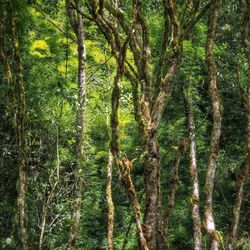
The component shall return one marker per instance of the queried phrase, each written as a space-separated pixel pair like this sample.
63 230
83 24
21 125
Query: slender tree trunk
51 194
194 175
110 202
44 214
76 21
182 149
244 171
129 187
123 168
216 129
171 200
20 131
126 237
114 153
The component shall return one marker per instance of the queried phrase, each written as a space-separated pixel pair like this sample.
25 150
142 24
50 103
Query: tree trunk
194 175
77 25
216 129
152 179
110 202
244 171
20 130
129 187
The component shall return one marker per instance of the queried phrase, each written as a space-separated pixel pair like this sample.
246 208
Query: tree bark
244 171
194 174
110 202
152 189
216 129
114 153
76 21
20 130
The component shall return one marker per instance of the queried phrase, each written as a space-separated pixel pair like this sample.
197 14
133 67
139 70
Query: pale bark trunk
194 176
20 131
110 202
216 129
244 171
76 21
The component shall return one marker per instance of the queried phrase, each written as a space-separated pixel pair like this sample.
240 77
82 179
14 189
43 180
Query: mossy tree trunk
149 93
20 130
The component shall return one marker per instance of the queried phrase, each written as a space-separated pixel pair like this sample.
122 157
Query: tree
153 91
160 76
194 172
76 22
20 129
216 130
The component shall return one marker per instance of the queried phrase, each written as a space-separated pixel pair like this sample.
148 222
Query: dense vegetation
124 124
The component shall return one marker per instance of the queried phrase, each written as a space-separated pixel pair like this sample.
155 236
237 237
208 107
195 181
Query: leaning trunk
77 25
130 189
216 129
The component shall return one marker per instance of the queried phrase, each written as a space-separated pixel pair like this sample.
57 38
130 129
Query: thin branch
53 23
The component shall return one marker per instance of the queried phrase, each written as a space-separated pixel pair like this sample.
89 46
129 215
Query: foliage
50 74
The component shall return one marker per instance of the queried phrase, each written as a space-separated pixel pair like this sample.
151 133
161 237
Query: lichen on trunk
216 128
